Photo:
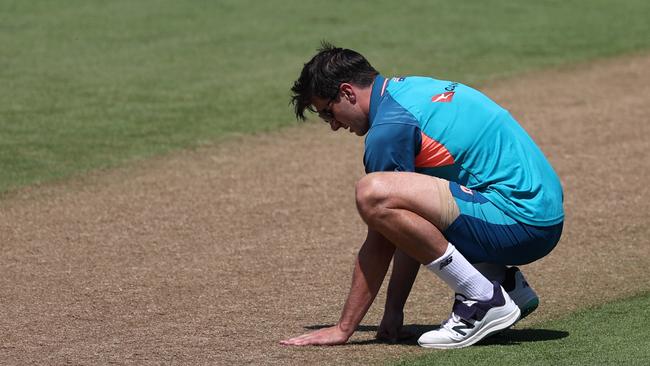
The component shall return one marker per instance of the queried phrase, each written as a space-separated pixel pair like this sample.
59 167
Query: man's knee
428 197
372 196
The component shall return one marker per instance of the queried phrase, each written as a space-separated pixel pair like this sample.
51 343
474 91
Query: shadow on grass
509 337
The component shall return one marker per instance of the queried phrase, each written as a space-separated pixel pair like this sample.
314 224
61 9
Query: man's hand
390 328
323 337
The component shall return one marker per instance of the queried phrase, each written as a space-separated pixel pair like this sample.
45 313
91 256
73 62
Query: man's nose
335 125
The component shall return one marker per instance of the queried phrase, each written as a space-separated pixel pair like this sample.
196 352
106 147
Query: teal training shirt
451 131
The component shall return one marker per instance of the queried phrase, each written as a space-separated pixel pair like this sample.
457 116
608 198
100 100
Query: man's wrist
346 328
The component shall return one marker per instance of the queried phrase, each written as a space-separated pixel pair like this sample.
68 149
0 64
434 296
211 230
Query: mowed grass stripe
617 333
88 84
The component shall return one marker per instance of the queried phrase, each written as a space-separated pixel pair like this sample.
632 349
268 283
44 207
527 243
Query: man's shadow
508 337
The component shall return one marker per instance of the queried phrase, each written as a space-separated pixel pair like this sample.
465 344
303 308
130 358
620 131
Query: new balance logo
465 326
445 263
445 97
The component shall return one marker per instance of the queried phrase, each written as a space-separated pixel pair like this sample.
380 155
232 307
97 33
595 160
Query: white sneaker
520 291
473 320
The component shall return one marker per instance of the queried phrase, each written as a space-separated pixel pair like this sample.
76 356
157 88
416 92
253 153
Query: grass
90 84
617 333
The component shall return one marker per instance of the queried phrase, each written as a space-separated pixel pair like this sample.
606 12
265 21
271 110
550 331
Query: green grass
617 333
91 84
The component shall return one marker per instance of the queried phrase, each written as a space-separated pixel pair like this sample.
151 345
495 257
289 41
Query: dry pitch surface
213 256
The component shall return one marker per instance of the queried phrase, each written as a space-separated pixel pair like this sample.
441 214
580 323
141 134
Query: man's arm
369 271
405 270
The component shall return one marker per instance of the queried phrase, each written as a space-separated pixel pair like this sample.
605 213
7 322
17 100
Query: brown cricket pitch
212 256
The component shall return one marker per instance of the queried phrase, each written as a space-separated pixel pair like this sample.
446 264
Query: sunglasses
326 114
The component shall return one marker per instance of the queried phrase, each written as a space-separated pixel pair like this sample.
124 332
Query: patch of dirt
212 256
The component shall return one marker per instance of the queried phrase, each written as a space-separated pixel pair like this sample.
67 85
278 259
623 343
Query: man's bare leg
407 209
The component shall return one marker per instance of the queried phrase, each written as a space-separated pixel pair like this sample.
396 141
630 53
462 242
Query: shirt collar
378 91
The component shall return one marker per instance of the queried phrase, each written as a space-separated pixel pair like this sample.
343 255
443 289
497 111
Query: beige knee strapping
448 208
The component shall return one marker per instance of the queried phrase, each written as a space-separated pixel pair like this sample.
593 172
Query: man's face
342 111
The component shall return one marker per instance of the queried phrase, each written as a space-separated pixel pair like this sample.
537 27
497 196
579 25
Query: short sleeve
392 147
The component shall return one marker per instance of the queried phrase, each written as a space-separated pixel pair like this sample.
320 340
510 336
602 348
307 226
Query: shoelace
453 318
449 323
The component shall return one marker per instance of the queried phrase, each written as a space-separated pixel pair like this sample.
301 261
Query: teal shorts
484 233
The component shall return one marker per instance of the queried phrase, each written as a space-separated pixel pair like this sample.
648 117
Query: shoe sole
494 326
525 310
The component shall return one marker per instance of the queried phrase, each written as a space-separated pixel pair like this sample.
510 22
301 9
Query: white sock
461 276
492 271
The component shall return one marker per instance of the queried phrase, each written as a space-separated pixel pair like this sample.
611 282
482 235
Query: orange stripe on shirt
432 154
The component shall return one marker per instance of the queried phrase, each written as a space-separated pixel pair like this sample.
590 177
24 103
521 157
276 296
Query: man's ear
347 90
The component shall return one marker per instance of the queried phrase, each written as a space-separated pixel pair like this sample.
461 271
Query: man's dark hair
325 72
